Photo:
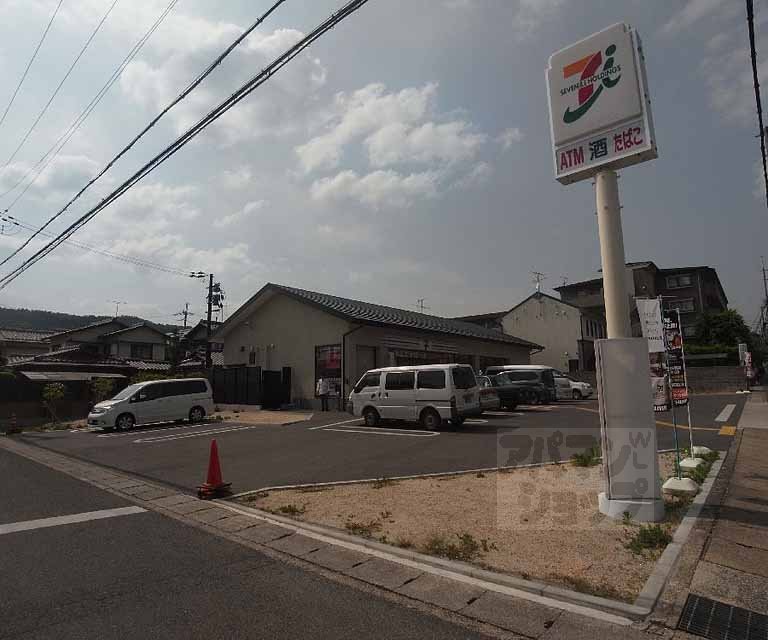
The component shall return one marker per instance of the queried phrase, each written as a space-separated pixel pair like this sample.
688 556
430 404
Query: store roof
380 315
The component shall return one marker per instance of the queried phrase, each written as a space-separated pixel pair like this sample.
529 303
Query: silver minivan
155 401
430 394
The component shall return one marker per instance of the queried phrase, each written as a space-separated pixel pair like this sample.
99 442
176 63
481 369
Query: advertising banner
599 105
651 323
675 364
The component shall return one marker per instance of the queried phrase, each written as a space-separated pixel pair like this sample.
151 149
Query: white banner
649 311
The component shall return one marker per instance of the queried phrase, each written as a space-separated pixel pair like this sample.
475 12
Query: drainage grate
718 621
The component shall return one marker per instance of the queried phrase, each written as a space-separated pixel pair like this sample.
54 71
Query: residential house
322 335
693 290
20 344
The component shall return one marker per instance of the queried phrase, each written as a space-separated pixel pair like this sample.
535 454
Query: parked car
578 388
155 401
489 397
520 387
429 394
531 373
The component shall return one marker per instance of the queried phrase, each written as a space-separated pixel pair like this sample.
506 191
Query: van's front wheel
431 420
371 417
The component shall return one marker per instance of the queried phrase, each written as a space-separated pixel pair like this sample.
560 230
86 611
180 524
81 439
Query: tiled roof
24 335
494 315
101 323
148 365
140 325
376 314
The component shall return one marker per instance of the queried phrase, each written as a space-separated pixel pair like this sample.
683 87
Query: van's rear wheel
431 420
457 422
196 414
371 417
124 421
576 394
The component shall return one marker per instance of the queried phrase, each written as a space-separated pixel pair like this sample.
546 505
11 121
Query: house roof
539 294
493 315
140 325
24 335
101 323
380 315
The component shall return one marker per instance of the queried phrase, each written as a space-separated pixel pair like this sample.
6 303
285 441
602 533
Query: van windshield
127 392
464 378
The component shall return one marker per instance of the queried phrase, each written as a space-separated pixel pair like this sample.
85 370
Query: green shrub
466 549
590 458
652 536
292 509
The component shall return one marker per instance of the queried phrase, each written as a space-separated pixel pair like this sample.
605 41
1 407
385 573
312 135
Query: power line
57 146
58 88
756 82
191 133
153 122
138 262
29 64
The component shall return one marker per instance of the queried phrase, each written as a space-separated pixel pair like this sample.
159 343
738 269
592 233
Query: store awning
66 376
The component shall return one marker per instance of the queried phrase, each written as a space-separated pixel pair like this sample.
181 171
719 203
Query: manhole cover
718 621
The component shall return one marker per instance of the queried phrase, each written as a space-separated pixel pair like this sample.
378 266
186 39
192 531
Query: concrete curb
601 608
666 563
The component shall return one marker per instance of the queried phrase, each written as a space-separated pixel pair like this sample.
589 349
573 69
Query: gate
252 385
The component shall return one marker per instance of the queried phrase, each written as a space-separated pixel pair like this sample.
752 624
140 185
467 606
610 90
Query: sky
405 155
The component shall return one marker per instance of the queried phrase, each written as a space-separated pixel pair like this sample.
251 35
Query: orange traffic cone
214 486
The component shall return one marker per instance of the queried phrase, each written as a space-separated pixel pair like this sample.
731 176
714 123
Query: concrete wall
284 333
550 323
710 379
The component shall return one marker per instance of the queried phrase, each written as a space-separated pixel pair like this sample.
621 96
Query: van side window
519 376
368 380
431 379
547 378
399 381
464 378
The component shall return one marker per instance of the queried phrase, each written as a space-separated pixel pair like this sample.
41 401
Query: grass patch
585 586
590 458
404 543
292 510
466 547
313 489
649 537
363 529
383 482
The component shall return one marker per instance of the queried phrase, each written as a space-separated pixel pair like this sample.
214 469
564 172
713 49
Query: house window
677 282
685 305
141 351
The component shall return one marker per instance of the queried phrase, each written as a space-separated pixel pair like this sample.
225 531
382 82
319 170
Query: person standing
323 389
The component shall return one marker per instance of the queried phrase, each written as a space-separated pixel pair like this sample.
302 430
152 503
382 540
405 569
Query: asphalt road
145 576
261 456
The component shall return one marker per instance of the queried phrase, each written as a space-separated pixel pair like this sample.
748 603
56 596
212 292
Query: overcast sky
406 155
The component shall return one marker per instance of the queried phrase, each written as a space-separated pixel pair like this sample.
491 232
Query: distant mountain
51 320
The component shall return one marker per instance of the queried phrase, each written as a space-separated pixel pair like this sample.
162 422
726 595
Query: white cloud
377 189
532 13
428 143
692 12
477 176
359 114
509 137
237 178
240 216
64 173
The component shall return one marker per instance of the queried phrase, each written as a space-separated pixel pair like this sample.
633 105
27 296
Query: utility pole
117 304
208 363
420 305
185 313
764 306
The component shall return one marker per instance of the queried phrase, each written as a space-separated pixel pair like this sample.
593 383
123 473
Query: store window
676 282
328 367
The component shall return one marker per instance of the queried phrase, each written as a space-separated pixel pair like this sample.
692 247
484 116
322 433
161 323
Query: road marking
333 424
123 434
725 413
659 423
197 434
44 523
727 431
503 414
475 421
429 434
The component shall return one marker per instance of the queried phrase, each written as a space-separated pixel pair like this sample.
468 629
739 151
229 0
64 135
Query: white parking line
141 431
44 523
197 434
725 413
333 424
428 434
475 421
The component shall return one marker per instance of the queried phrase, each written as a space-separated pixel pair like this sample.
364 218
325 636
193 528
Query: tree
725 327
53 392
102 389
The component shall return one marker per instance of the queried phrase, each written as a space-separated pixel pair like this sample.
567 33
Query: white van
155 401
429 394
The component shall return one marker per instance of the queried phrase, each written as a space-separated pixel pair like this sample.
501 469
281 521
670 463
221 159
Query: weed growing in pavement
480 474
585 586
466 549
385 515
383 482
364 529
590 458
626 518
292 509
649 537
253 497
313 489
404 543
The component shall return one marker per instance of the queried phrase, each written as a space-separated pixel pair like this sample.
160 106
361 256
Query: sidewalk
732 568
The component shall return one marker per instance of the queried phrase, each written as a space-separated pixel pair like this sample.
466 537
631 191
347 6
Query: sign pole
678 472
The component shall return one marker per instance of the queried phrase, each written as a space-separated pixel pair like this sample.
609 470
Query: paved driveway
329 449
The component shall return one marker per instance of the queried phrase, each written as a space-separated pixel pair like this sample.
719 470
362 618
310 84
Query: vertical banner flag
674 339
649 311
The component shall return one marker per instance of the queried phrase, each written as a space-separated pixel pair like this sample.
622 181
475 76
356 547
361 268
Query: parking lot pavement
337 447
145 575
